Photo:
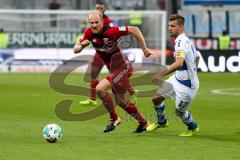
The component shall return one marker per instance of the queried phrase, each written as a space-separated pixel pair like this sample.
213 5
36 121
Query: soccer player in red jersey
97 62
106 42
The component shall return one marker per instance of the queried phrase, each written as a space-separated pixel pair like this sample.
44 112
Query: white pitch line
227 91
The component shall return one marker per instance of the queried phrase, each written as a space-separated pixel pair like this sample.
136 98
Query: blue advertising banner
211 2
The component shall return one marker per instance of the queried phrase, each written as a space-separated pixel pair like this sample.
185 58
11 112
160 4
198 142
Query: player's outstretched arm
138 35
173 67
79 46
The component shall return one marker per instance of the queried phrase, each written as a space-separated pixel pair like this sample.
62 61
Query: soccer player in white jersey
183 84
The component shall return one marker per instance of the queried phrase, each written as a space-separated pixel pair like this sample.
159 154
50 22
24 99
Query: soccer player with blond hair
106 42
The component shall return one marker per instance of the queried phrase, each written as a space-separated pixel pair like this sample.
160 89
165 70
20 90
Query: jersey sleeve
123 30
111 24
180 49
119 31
86 35
107 22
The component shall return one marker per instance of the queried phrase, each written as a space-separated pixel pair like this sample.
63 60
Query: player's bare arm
79 46
173 67
138 35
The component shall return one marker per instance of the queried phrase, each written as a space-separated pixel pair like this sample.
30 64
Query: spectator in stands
54 5
224 41
135 18
3 43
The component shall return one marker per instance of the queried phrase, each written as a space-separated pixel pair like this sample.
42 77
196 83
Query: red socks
93 85
132 110
108 103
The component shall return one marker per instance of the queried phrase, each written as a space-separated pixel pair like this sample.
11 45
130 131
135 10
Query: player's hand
156 79
79 46
85 43
147 52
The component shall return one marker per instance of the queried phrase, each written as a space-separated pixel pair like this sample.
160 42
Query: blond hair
94 12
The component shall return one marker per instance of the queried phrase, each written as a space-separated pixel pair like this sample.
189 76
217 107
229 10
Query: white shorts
184 95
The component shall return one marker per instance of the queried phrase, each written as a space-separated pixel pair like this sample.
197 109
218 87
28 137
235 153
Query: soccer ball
52 132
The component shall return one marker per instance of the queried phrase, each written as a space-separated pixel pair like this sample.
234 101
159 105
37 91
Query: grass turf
27 104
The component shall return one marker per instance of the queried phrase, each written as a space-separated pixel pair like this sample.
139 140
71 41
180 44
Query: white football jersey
187 74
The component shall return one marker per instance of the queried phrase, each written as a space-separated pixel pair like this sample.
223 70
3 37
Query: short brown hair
180 19
100 2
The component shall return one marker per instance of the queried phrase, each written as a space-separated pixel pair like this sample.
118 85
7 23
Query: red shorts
99 60
120 80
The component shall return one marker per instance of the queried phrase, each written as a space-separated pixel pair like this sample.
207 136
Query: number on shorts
182 105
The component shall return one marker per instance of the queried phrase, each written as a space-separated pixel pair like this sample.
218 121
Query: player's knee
100 92
179 113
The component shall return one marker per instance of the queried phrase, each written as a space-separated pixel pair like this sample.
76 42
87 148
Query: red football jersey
107 21
107 44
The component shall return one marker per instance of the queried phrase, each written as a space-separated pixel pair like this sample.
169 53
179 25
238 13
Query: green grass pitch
27 104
